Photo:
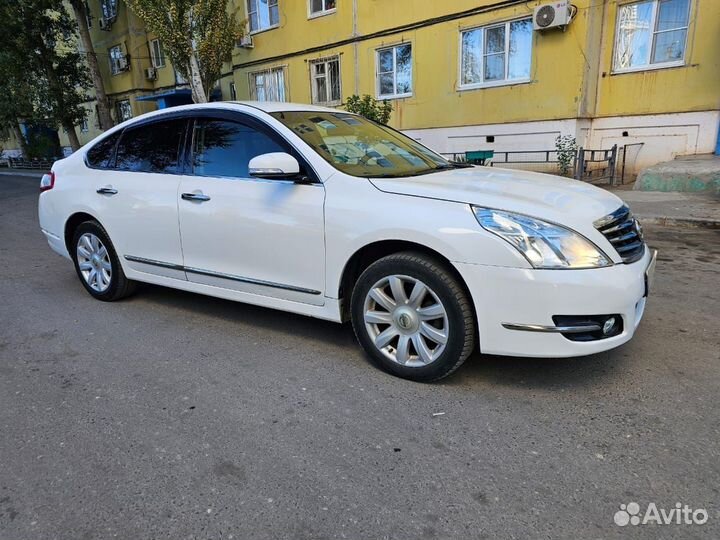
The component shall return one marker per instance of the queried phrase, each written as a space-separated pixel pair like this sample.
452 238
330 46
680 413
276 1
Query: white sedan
324 213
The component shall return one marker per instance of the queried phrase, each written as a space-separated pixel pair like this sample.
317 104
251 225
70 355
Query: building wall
572 89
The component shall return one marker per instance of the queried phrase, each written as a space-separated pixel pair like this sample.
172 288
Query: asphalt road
173 415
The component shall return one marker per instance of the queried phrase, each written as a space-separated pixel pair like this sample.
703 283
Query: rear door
253 235
137 197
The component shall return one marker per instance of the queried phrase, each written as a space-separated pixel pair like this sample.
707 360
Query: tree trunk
196 84
72 136
104 118
21 139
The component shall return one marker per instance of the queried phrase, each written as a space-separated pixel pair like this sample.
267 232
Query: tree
197 35
370 108
15 98
40 42
103 105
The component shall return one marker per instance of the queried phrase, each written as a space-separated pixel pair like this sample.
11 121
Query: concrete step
689 174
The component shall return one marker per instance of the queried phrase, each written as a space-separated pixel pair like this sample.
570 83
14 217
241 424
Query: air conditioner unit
151 74
555 15
104 24
246 42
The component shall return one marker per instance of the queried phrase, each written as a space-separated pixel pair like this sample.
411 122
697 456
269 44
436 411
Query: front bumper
531 297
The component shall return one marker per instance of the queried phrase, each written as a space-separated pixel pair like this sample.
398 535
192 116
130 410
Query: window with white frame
118 60
109 9
496 54
84 125
262 14
394 71
325 80
651 33
268 85
157 56
124 110
321 7
233 92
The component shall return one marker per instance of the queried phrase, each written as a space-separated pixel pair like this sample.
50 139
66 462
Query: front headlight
544 245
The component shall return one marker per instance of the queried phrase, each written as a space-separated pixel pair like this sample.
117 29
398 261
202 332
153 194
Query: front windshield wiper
450 165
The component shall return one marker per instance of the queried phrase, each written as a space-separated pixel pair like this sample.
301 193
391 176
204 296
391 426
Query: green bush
370 108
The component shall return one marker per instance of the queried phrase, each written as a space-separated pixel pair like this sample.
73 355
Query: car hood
561 200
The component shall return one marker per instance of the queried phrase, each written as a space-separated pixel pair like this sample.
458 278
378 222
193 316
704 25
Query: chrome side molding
231 277
579 329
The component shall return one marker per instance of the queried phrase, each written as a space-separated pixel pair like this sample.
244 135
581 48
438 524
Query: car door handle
198 197
107 191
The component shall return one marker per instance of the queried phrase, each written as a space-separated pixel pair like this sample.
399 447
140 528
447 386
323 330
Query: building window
124 110
394 71
325 80
118 60
651 33
262 14
84 125
496 54
268 85
233 92
157 56
88 15
321 7
109 10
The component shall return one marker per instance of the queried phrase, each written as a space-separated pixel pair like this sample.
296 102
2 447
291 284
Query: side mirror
278 165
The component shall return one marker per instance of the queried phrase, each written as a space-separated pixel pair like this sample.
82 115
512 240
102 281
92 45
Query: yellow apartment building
462 75
474 74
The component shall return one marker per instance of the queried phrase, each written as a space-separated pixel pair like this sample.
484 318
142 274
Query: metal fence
589 165
22 163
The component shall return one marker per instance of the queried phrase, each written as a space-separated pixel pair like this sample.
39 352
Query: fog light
609 325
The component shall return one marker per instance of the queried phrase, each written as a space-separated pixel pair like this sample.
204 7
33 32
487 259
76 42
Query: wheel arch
72 223
369 253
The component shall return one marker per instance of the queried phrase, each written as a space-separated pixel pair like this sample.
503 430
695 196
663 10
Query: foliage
197 35
41 64
43 144
566 147
370 108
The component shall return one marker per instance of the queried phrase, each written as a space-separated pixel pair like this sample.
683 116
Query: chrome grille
624 233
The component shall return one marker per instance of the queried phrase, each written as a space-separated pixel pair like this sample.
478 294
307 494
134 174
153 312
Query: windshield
359 147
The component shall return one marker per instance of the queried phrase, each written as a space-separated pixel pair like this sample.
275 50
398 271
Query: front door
264 237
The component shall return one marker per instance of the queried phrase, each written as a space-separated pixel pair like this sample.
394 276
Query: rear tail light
47 181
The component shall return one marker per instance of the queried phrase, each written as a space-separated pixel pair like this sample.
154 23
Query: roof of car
266 106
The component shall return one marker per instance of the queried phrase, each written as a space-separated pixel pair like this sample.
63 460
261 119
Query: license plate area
650 273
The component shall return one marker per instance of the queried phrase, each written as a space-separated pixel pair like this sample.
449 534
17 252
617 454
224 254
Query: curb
35 173
666 221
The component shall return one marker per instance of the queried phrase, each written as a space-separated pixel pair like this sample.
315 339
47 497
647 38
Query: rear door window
152 147
225 148
102 155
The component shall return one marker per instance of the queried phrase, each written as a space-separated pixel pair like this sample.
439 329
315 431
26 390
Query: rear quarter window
102 154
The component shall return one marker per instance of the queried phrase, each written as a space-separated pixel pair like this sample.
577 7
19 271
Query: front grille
624 233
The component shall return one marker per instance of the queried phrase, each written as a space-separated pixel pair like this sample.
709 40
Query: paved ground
172 415
668 208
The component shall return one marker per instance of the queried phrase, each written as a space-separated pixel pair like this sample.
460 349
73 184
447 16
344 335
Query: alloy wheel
406 320
94 262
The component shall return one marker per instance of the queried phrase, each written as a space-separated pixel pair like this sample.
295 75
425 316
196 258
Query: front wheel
412 317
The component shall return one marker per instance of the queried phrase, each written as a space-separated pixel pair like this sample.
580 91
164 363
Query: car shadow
238 312
545 373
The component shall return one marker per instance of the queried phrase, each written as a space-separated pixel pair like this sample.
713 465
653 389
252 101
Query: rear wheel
97 264
412 317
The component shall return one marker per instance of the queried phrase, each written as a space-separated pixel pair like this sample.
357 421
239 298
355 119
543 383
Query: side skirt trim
231 277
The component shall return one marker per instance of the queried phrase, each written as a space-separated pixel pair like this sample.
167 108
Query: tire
109 283
405 337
